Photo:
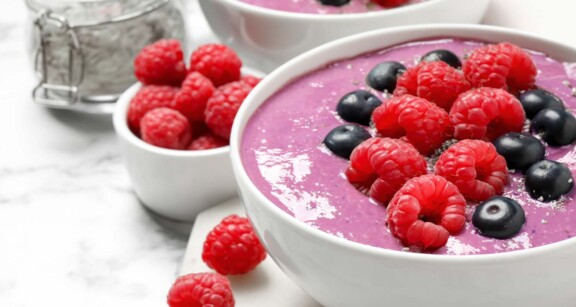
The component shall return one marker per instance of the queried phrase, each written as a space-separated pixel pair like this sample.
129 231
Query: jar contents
84 51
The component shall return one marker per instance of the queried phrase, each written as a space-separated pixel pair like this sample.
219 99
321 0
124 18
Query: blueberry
445 56
548 180
357 107
499 217
534 101
556 127
334 2
520 150
383 76
343 139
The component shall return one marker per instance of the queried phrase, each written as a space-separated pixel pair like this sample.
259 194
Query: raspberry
166 128
475 168
425 211
193 95
505 66
161 63
486 113
207 141
436 82
251 80
380 166
223 106
232 247
147 98
201 289
218 63
415 120
389 3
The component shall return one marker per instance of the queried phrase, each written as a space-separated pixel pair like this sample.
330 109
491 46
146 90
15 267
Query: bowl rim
244 114
120 122
254 9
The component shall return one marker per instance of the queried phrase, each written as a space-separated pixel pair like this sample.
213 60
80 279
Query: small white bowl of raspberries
174 125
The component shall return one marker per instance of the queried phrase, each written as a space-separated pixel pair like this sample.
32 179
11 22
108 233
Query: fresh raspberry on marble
425 211
380 166
389 3
475 167
435 81
166 128
161 63
223 106
207 141
193 95
201 289
217 62
147 98
415 120
250 80
486 113
505 66
232 247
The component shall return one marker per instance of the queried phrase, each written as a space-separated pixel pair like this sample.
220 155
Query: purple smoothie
283 154
315 7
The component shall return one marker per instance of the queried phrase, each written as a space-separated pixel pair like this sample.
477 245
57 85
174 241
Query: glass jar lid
95 12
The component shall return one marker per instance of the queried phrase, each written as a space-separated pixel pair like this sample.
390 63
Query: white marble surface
72 232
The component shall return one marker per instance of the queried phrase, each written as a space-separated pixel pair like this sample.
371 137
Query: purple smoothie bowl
267 38
338 271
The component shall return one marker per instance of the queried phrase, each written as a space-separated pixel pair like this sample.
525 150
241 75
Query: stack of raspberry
442 118
187 108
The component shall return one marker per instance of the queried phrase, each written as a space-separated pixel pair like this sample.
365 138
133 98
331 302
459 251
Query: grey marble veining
72 232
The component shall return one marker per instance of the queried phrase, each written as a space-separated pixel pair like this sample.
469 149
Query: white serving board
266 286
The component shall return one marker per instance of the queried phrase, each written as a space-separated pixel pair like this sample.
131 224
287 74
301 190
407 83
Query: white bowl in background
338 272
267 38
176 184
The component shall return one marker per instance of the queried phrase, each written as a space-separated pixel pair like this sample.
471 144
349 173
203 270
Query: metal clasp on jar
50 28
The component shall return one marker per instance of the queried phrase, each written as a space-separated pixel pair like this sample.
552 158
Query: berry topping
166 128
207 141
486 113
445 56
419 122
223 106
389 3
436 82
147 98
250 80
425 211
475 168
548 180
383 76
193 95
520 150
499 218
505 66
160 63
202 289
534 101
219 63
556 127
380 166
343 139
357 107
232 247
334 2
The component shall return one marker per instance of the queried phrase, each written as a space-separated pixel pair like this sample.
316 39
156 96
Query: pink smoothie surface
315 7
283 154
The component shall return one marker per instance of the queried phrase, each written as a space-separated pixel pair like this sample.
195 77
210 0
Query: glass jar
83 50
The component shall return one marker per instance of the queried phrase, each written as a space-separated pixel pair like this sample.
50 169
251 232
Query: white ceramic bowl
177 184
338 272
267 38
